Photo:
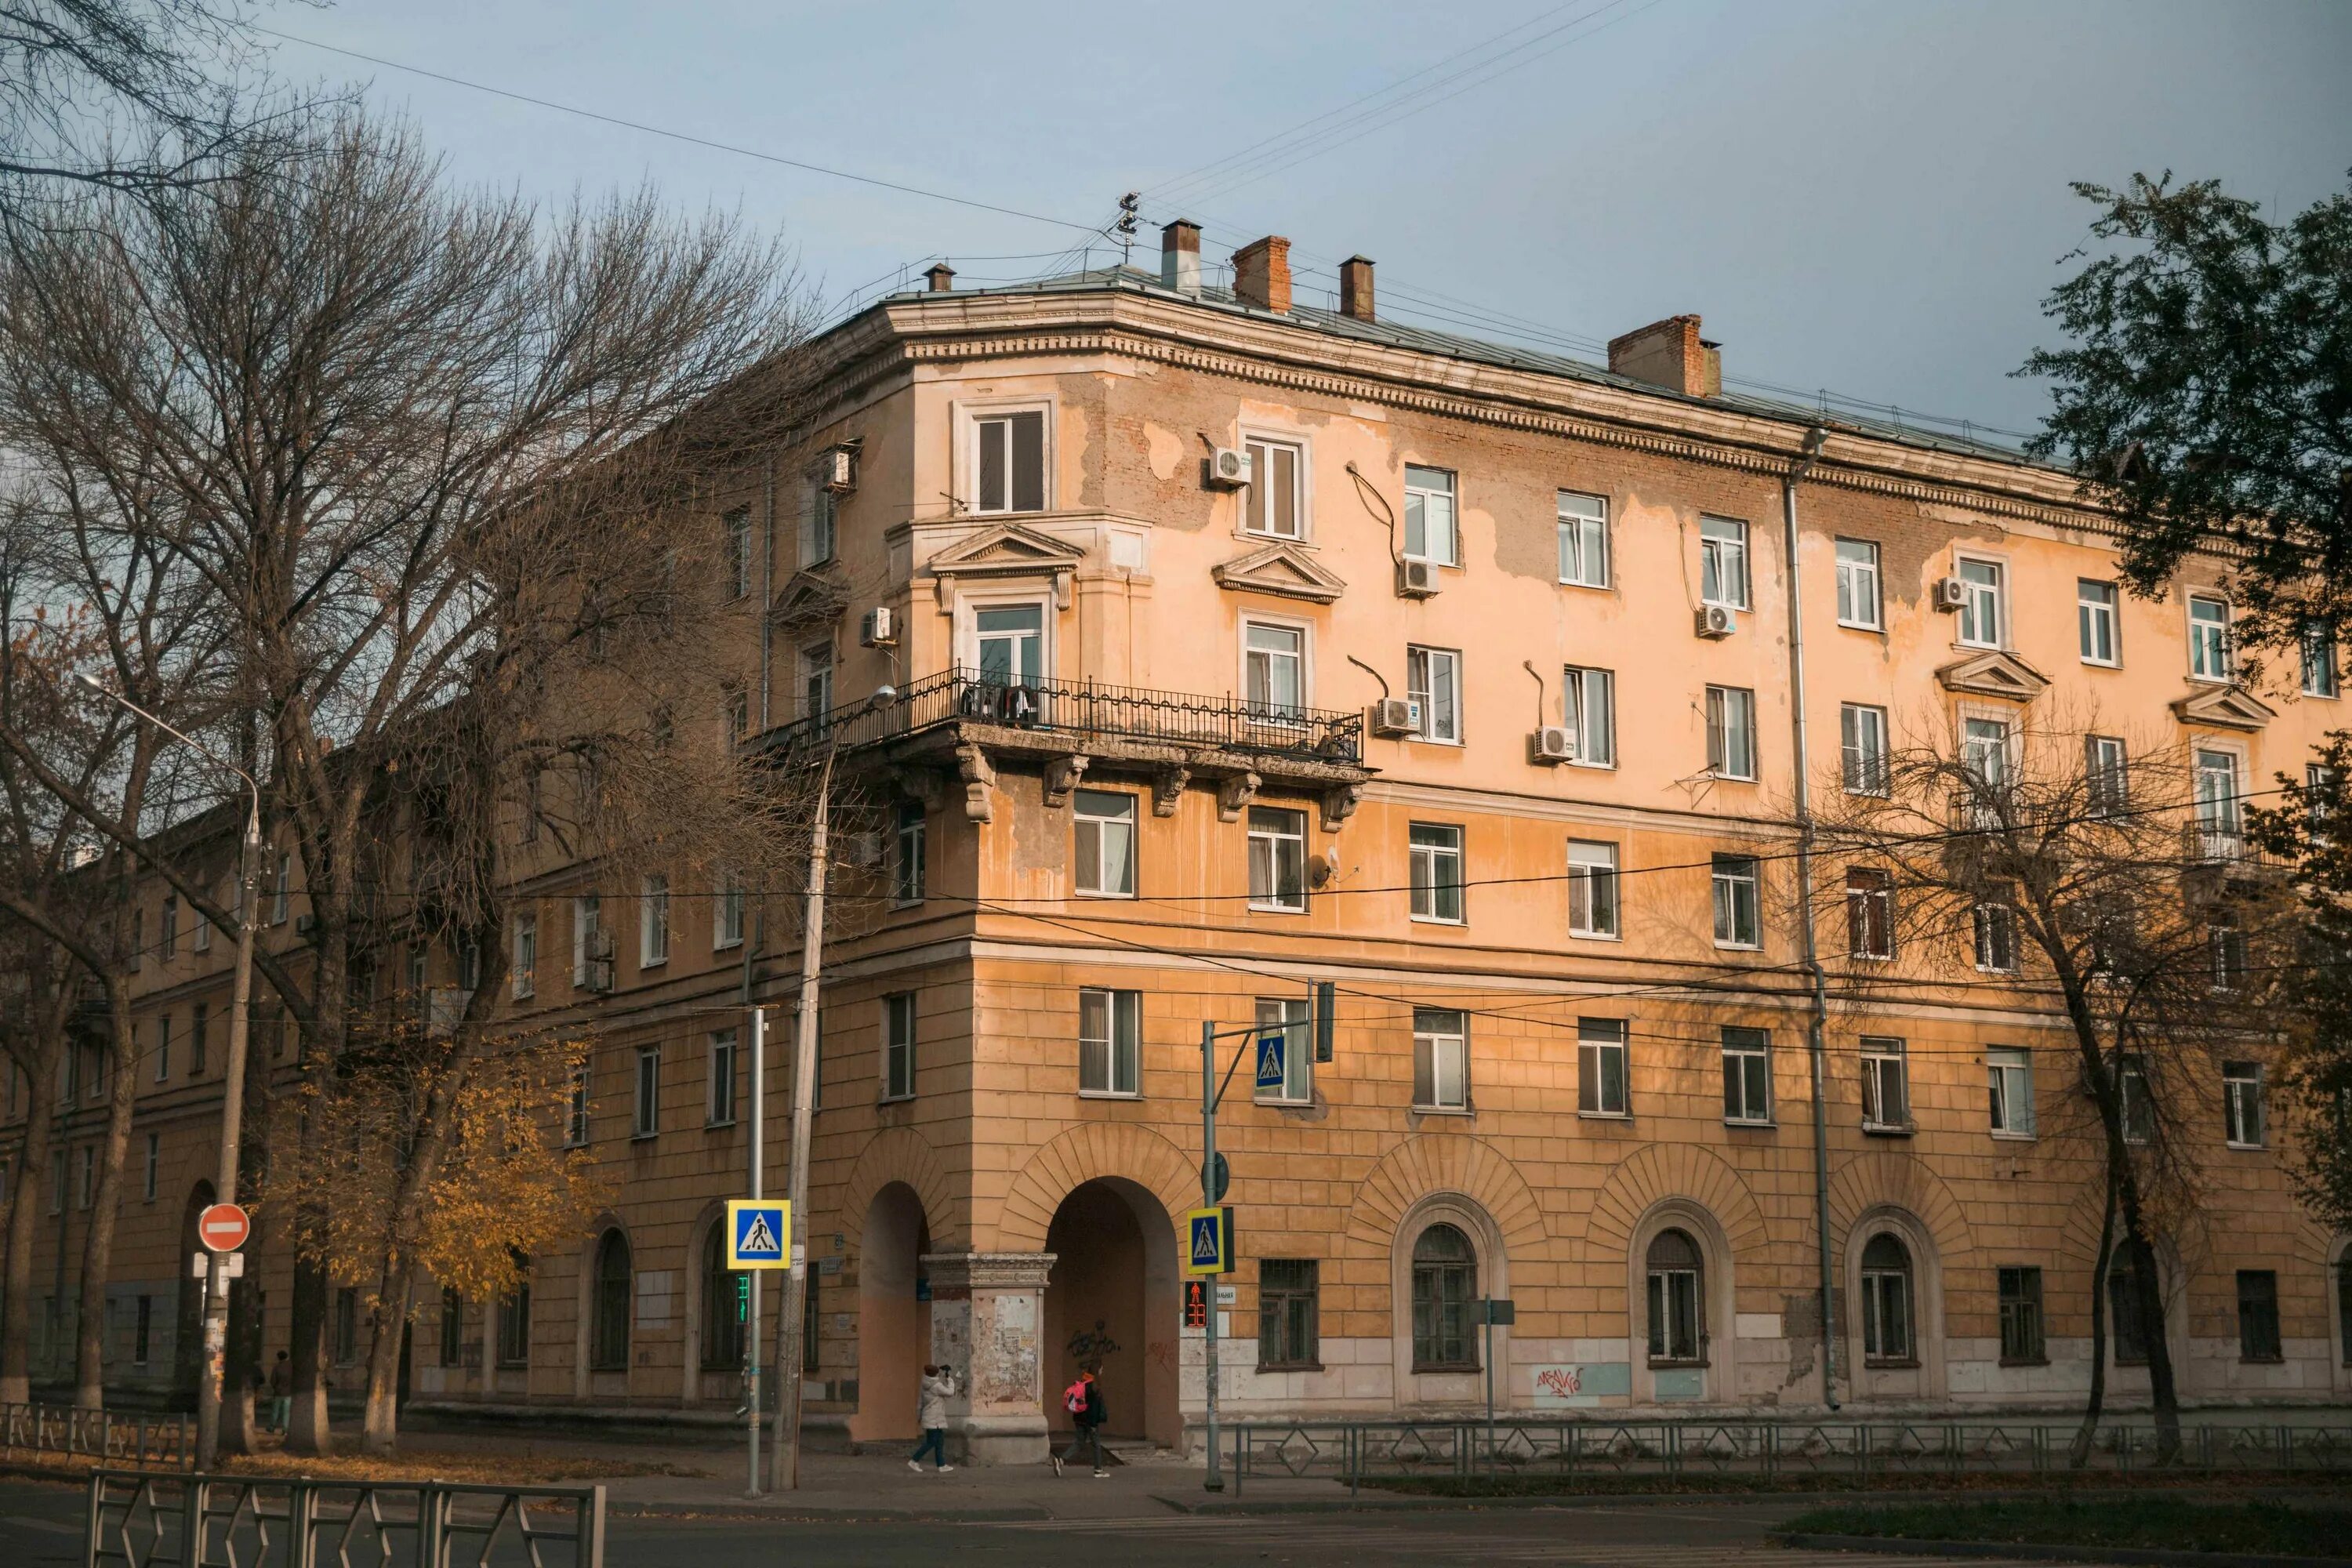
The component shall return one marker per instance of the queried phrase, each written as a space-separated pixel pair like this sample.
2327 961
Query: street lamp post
208 1381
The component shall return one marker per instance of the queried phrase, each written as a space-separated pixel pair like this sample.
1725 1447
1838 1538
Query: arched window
1677 1300
723 1331
2128 1323
1885 1299
1444 1283
608 1349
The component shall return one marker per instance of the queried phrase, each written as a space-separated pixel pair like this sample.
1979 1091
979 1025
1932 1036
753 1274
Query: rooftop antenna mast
1125 227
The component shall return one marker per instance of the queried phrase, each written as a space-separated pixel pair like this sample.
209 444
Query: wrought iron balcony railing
1085 709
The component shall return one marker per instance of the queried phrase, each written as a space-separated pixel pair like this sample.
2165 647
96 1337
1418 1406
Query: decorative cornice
1284 570
1006 549
1994 674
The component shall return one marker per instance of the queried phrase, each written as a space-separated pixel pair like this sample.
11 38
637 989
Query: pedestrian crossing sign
1209 1240
759 1232
1271 1053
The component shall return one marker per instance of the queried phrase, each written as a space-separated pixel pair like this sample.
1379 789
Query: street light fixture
208 1381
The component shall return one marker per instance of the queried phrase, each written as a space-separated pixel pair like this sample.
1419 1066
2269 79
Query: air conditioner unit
1395 716
878 628
1715 621
836 470
1415 580
305 924
1552 744
1229 468
1951 593
865 848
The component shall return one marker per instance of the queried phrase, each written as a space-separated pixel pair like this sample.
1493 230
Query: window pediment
810 598
1282 570
1994 674
1007 551
2224 707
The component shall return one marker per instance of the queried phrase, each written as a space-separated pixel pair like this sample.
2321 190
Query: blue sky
1867 198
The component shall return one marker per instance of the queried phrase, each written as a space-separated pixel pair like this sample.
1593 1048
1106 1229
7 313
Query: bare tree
2101 880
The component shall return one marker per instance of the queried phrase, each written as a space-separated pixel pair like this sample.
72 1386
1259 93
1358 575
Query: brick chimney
1356 287
1670 353
1261 274
941 278
1179 257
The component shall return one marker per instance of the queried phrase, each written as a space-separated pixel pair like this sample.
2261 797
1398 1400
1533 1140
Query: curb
2157 1557
748 1510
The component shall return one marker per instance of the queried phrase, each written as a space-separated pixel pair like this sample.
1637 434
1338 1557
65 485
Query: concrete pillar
987 1314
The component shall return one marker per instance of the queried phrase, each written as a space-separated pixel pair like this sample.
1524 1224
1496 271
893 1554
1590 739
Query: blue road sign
1270 1061
1209 1240
759 1232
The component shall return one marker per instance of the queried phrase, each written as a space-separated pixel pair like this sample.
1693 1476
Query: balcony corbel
1062 776
979 782
1234 792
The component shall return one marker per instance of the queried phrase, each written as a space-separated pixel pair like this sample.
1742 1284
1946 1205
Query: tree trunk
2162 1391
2095 1405
97 1246
32 1178
380 1425
306 1424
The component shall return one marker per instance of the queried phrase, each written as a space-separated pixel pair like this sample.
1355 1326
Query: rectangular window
816 681
910 850
200 934
1009 461
1723 562
1105 823
1738 916
738 552
2318 795
1436 854
1276 506
1588 710
163 1048
200 1028
1274 669
279 889
1441 1060
57 1181
526 956
170 926
719 1107
898 1046
1869 912
1861 748
653 922
1857 584
575 1117
1984 754
1286 1312
2258 1315
2321 675
1583 539
347 1326
2021 1318
1289 1016
647 1120
1432 678
2106 774
818 523
1886 1085
514 1326
1277 859
2095 621
155 1166
1747 1074
588 949
1731 731
2221 823
2227 941
1984 609
1111 1042
142 1338
2009 1081
2139 1106
1996 938
1600 1077
1592 888
727 913
453 1327
1429 522
2209 638
2242 1103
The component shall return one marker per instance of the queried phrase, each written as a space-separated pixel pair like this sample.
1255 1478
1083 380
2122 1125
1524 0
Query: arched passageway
894 1315
1112 1300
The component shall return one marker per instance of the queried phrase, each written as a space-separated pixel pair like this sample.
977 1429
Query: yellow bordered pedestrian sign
759 1232
1209 1240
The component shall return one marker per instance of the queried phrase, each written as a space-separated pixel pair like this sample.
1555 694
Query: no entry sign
223 1227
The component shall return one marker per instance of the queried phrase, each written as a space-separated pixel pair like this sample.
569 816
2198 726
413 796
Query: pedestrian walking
281 1394
931 1413
1084 1401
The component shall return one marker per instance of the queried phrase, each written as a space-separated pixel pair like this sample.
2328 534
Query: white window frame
721 1052
1725 882
1273 712
968 609
820 530
523 957
645 1117
1442 1048
1976 597
1596 743
2243 1123
1589 531
1425 864
900 1032
281 889
1292 1016
1120 1045
2217 670
2008 1089
816 665
1592 867
1599 1042
587 921
1988 920
2139 1106
1884 1058
1858 902
653 921
2096 619
1751 1045
1860 601
2220 819
1717 554
1423 492
2226 940
169 927
2106 774
1303 484
2322 677
969 416
1272 903
727 913
1863 759
163 1048
579 1105
736 541
1721 702
200 934
1108 824
911 851
1430 672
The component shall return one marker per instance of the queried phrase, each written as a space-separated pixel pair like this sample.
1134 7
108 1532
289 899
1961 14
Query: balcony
2224 846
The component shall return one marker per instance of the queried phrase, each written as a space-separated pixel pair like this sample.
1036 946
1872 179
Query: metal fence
1350 1451
147 1441
146 1521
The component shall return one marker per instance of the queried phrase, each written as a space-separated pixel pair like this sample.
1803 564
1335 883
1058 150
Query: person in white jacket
931 1413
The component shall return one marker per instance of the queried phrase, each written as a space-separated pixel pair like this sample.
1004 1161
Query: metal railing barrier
146 1442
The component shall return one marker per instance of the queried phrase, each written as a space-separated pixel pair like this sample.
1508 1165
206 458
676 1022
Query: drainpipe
767 593
1816 1047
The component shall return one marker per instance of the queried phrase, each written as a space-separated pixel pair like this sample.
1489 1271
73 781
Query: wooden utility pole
793 1309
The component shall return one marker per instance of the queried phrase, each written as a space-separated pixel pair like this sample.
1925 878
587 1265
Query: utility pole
792 1313
1215 1480
751 1281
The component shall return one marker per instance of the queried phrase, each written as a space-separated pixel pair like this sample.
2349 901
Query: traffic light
1326 996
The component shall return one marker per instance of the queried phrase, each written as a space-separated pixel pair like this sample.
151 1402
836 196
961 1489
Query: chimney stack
1179 257
1670 353
1356 287
1261 274
941 278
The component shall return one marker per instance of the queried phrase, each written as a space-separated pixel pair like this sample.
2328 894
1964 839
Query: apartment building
1190 644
